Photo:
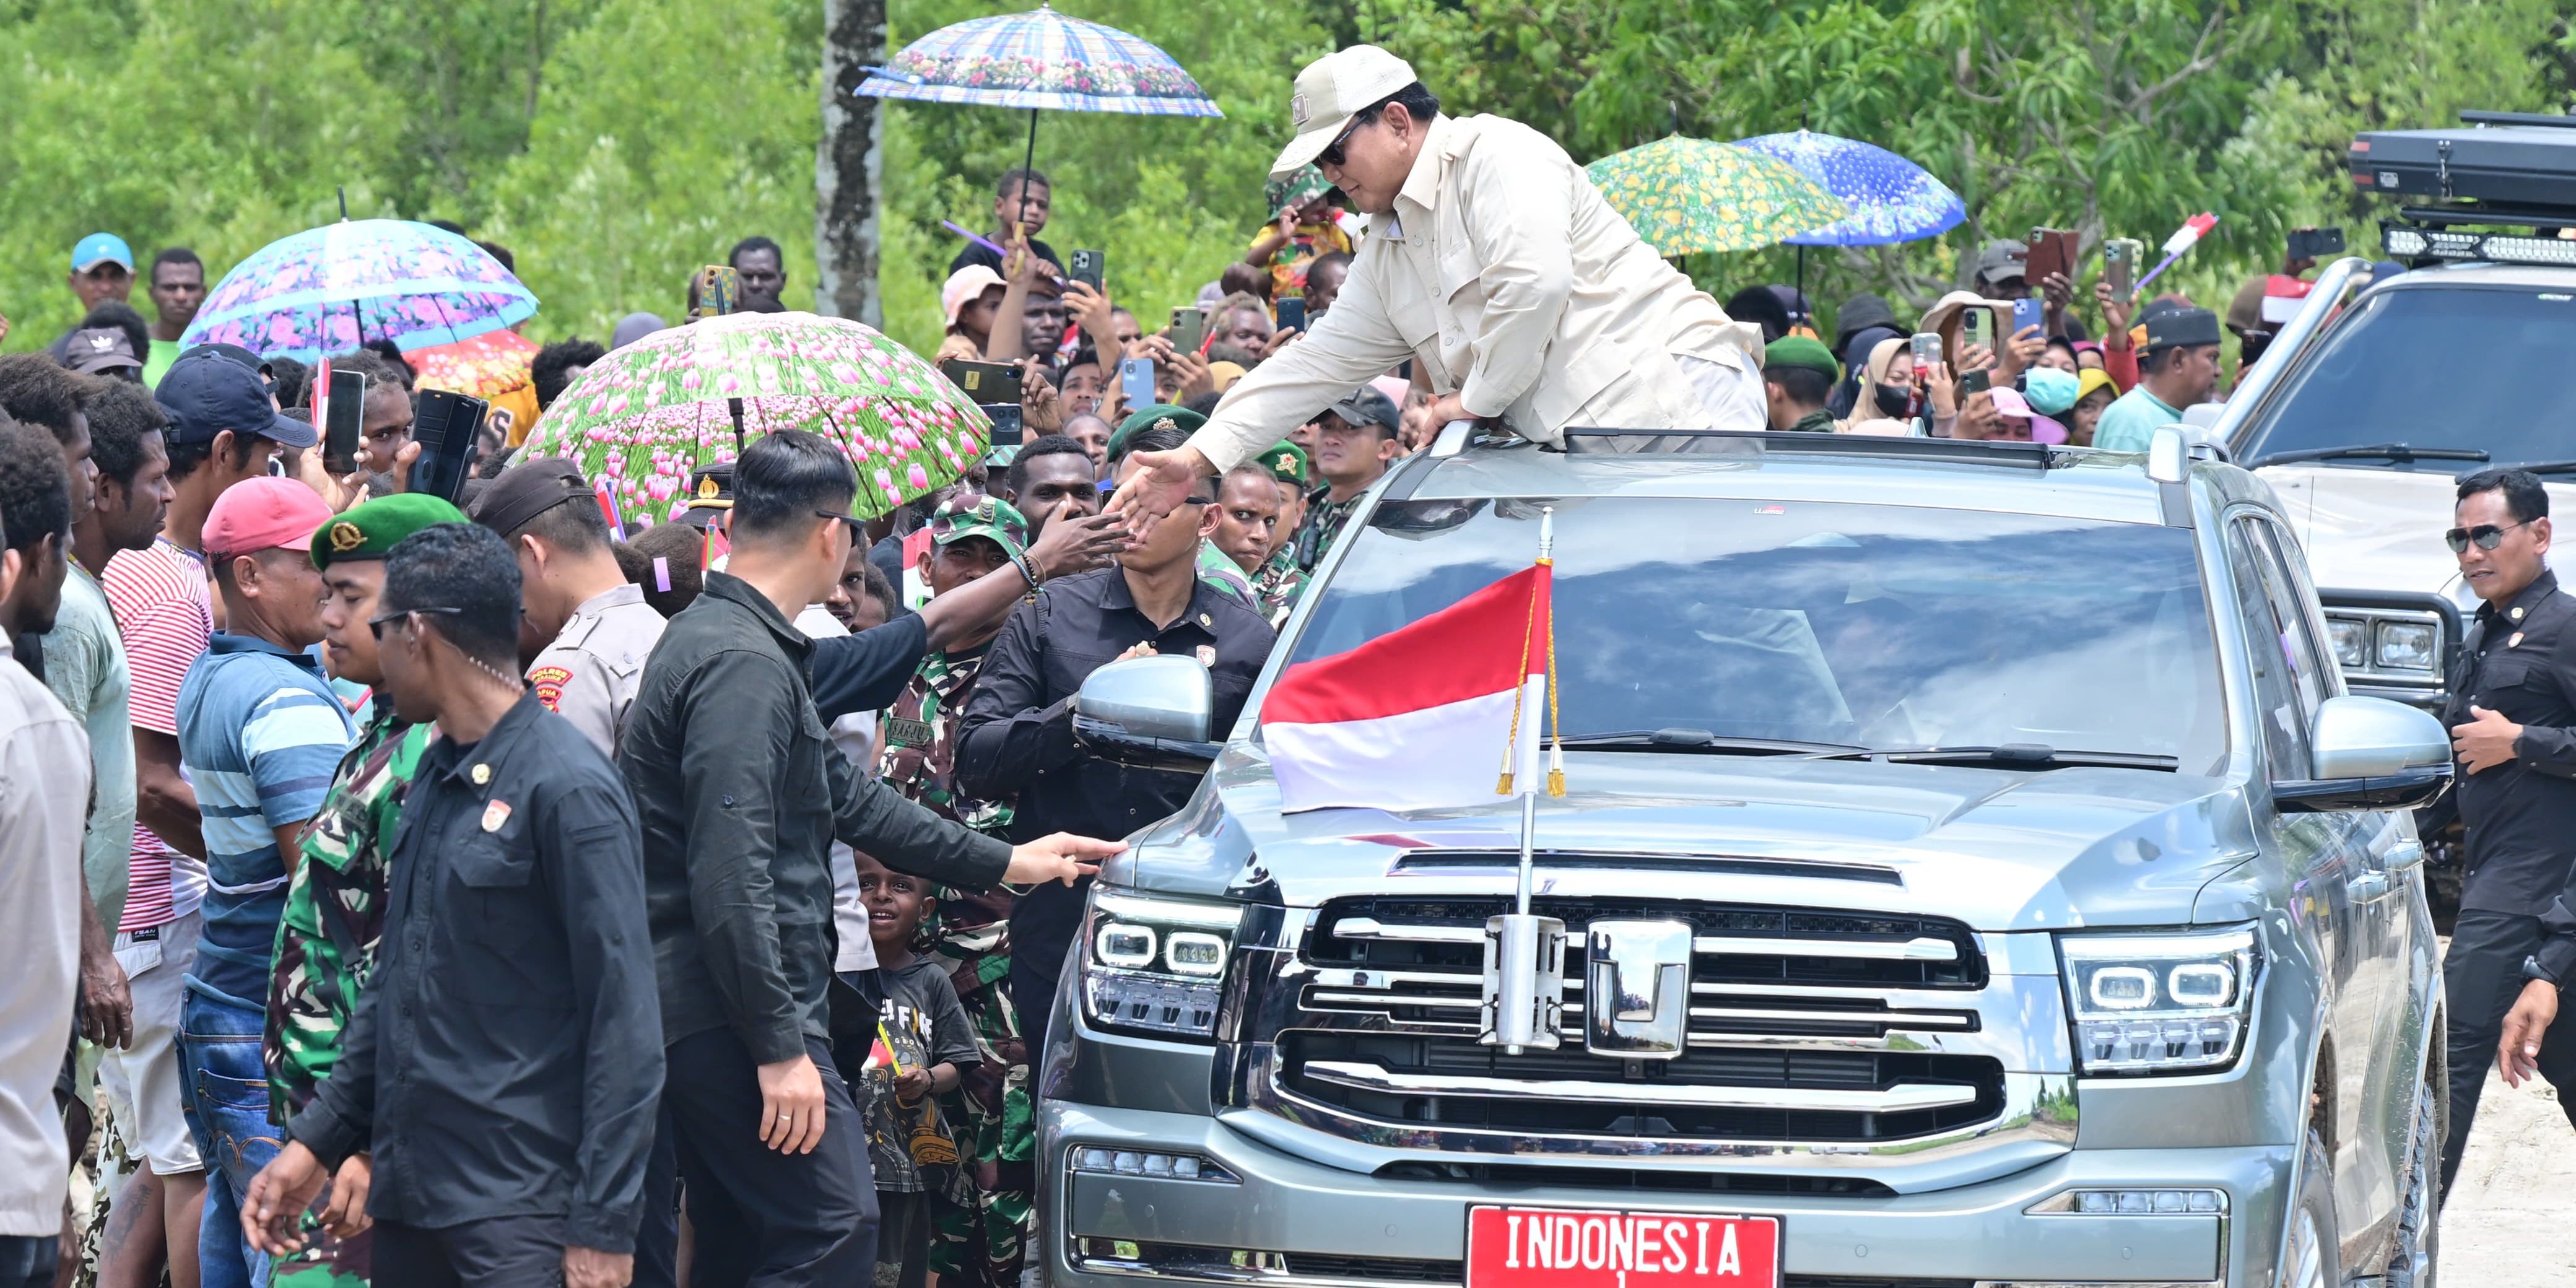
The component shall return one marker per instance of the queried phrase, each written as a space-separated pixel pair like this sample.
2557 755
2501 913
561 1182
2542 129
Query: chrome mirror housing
1153 712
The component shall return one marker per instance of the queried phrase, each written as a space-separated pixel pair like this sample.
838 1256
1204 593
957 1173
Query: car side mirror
1148 712
2371 753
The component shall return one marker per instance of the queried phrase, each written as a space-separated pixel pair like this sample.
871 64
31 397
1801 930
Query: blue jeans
27 1261
227 1109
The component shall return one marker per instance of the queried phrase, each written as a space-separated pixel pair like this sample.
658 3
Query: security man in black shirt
504 1061
1017 734
2513 727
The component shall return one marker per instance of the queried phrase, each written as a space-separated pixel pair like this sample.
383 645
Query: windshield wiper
2397 452
2549 467
2011 755
1702 740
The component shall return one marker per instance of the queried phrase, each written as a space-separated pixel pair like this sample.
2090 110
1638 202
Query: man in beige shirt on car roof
1495 266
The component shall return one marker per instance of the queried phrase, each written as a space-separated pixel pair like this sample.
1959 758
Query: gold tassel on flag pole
1556 751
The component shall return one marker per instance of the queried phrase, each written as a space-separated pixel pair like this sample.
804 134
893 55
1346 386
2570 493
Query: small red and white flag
1442 713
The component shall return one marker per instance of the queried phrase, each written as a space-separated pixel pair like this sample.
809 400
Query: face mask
1894 399
2050 390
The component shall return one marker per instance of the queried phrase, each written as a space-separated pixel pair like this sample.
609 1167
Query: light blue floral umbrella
1891 199
1040 61
327 289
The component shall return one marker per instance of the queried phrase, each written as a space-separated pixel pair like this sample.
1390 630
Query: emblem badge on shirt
548 681
481 774
2515 642
903 732
1207 656
495 813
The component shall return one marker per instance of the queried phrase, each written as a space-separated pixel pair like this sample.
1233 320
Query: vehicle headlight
2406 646
2351 641
2163 1003
1156 965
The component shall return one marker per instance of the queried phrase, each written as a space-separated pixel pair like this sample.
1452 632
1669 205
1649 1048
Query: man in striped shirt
261 734
222 429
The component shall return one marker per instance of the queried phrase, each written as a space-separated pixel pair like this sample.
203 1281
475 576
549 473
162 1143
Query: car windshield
1875 626
2463 368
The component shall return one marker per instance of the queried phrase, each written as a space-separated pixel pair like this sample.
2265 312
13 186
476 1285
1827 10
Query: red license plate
1517 1247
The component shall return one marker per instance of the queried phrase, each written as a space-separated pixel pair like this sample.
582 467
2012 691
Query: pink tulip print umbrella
327 289
645 416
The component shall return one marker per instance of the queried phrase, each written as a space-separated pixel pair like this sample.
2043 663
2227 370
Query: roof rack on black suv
2512 170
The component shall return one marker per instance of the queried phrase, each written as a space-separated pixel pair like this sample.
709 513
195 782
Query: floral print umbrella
1040 60
324 290
1891 199
642 418
1686 195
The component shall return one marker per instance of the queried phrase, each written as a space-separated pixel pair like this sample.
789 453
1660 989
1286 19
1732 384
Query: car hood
2000 850
2377 529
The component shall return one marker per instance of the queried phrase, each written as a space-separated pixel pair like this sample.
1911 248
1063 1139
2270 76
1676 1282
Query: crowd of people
467 891
706 900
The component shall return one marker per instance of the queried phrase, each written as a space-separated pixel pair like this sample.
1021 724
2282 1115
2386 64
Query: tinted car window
1871 625
2462 367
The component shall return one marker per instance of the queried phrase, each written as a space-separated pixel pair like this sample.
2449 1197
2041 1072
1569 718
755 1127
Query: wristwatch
2532 969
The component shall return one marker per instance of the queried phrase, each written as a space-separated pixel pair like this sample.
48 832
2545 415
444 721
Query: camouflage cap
1287 462
368 530
973 514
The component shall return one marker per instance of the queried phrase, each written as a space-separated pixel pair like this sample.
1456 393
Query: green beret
1287 462
1157 416
1801 351
367 531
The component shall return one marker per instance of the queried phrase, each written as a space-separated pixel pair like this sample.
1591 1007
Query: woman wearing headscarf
1888 376
1863 321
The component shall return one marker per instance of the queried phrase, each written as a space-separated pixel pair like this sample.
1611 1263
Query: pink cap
2047 430
964 285
2009 402
266 513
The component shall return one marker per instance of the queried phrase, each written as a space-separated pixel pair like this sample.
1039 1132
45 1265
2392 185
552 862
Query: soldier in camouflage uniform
1356 440
982 1228
335 902
1279 581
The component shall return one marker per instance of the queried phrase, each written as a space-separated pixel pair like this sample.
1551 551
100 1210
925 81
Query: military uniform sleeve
2551 749
740 712
340 1119
1009 731
1354 343
596 865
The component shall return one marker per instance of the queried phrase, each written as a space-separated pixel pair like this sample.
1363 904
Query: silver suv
1972 872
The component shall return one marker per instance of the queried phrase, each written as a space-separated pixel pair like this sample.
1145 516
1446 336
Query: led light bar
1128 1162
2138 1202
2406 241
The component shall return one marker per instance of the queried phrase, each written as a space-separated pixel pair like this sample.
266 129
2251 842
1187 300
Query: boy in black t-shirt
925 1038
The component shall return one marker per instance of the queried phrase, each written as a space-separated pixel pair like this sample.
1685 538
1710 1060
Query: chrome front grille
1804 1026
1756 973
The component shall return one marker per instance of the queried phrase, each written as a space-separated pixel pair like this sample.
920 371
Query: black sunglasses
2487 535
856 529
1332 154
377 623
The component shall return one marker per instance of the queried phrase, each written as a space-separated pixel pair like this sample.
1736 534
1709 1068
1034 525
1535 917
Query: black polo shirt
2520 662
1017 733
506 1056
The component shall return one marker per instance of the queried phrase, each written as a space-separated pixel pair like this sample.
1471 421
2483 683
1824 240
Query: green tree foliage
614 145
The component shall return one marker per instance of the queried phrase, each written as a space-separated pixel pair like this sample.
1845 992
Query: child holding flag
923 1038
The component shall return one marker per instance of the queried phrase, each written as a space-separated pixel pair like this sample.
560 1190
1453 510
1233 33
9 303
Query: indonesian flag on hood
1441 714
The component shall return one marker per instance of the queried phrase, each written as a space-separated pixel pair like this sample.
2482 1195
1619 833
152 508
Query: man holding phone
1495 267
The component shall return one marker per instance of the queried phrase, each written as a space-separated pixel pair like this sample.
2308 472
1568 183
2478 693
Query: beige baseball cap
1332 90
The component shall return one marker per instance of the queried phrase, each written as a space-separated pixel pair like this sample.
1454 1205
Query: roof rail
2550 120
1730 442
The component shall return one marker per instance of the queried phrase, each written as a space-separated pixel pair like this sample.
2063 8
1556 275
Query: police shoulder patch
548 681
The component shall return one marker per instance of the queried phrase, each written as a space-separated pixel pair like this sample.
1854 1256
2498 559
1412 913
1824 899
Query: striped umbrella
1040 61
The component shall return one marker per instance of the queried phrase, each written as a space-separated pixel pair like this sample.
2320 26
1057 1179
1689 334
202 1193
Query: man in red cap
260 733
